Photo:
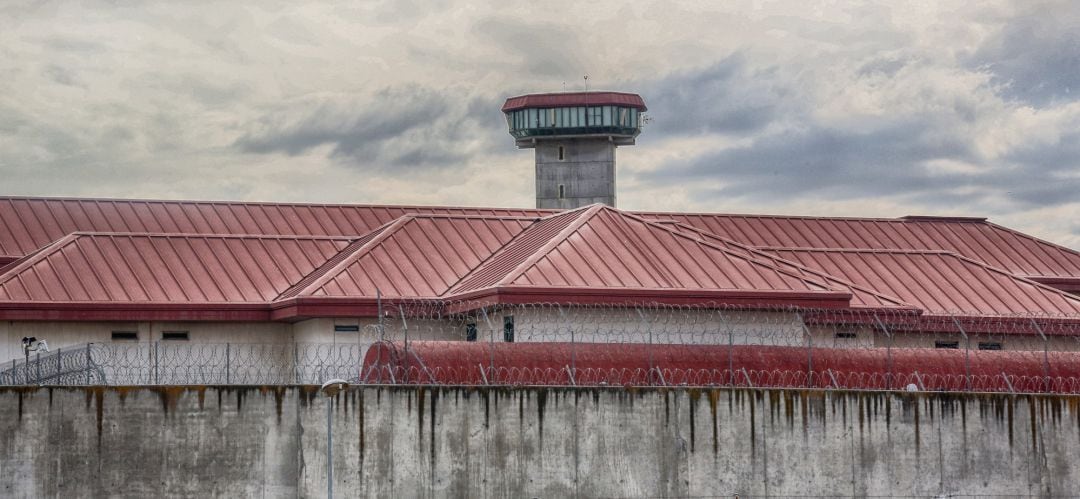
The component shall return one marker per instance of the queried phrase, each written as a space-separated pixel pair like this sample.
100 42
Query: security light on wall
32 344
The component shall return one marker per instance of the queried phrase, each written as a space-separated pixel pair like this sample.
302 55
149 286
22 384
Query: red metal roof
477 363
415 256
601 247
938 281
977 239
28 223
591 254
169 268
574 99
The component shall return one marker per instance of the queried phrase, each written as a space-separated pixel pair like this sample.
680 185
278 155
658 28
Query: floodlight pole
330 395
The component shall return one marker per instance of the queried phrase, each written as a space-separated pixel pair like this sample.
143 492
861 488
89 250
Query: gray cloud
1035 57
823 162
546 50
775 108
407 127
726 97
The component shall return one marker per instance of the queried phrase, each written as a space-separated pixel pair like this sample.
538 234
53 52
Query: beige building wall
631 325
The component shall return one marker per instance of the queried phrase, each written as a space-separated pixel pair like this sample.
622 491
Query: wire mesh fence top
451 343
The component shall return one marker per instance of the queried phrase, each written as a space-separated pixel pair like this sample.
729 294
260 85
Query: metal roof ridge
811 249
22 264
1033 238
483 265
469 216
765 215
997 270
586 213
351 255
943 218
728 252
761 254
1069 297
209 235
261 203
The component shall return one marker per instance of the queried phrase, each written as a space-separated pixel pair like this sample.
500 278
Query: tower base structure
572 173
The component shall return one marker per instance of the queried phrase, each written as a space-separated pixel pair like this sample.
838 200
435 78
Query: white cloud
782 107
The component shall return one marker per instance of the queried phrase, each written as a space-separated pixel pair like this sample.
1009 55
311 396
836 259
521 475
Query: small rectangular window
562 191
125 336
508 328
846 335
174 335
989 345
346 328
622 117
562 153
953 345
470 331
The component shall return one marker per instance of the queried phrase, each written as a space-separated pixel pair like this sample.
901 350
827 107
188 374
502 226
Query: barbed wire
617 344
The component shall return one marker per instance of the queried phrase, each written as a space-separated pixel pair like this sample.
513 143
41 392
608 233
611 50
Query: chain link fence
622 344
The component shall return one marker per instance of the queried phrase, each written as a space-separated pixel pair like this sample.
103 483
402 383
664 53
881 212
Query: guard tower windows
596 116
562 154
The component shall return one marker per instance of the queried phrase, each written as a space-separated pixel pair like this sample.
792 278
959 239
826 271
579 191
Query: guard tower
575 135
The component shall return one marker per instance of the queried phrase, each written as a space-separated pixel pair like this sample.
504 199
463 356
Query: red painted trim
99 311
574 99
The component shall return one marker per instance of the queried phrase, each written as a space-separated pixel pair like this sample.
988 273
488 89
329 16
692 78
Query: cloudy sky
831 108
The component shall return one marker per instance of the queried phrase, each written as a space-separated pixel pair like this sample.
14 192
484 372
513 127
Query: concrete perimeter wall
532 442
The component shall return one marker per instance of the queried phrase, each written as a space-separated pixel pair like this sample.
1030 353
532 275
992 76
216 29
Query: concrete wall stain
714 396
1047 415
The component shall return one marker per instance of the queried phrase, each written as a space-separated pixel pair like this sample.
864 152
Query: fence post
228 367
491 342
1046 355
296 362
156 363
89 363
405 328
37 361
645 323
809 350
59 359
888 353
967 354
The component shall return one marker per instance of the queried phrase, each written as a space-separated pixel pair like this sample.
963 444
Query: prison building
576 268
84 271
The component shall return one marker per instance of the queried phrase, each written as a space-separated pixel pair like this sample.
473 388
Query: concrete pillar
571 173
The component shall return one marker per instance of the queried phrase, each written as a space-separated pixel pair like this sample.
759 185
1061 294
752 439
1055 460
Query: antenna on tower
587 101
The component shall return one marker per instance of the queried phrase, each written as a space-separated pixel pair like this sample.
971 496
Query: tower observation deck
574 135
